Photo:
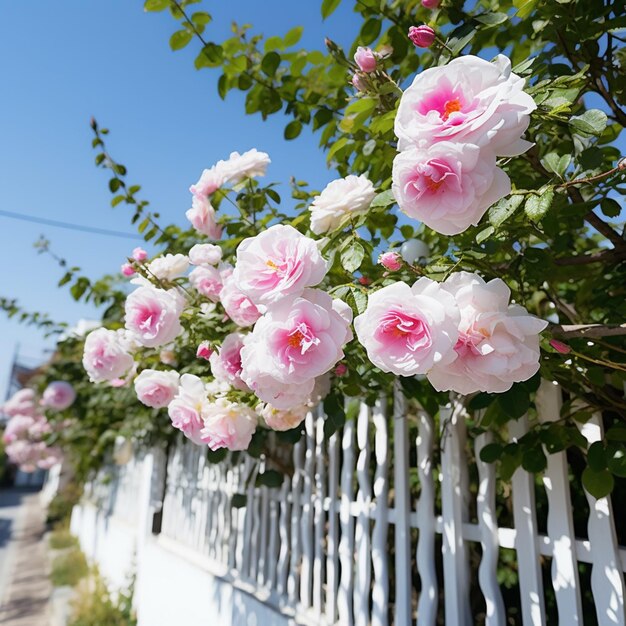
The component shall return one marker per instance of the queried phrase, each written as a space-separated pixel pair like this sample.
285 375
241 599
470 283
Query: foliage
68 568
61 538
60 507
95 605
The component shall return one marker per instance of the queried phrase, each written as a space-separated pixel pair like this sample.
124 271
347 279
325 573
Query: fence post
402 509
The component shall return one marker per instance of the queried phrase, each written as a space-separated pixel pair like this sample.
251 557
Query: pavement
24 584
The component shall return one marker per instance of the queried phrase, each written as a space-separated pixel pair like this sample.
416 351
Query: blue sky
61 63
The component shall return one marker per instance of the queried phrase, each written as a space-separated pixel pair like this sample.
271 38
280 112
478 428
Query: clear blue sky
61 63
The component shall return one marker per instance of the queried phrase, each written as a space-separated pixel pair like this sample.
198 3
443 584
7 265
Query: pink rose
296 340
247 165
202 218
237 305
560 347
105 356
469 100
22 402
359 82
17 428
39 429
498 343
127 269
139 254
407 330
169 266
49 457
59 395
277 263
205 254
156 388
226 362
207 281
390 260
186 410
153 315
277 419
210 181
341 370
365 58
422 36
448 186
204 350
430 4
228 425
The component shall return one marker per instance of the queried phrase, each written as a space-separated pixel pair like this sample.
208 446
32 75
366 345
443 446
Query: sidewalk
25 601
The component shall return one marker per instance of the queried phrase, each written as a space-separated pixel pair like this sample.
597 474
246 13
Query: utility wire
68 225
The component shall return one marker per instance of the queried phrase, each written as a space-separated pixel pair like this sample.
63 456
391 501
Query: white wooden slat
362 527
263 536
456 587
402 509
248 523
346 542
255 539
306 528
296 512
425 556
380 591
607 579
272 556
283 525
526 538
332 540
488 523
319 520
560 523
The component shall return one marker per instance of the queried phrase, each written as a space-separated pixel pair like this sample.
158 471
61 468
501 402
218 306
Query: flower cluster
452 123
27 427
462 334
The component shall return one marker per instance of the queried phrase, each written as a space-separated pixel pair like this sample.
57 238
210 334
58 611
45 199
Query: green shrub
96 606
60 507
62 538
68 568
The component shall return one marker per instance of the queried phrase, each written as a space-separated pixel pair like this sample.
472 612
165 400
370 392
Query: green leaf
269 478
352 256
360 299
598 483
210 56
491 19
270 63
491 452
180 39
537 206
384 198
481 401
293 36
596 456
114 184
293 129
616 433
328 7
239 500
155 5
610 207
335 414
200 18
370 31
485 234
534 460
216 456
555 163
503 209
515 402
117 199
592 122
616 459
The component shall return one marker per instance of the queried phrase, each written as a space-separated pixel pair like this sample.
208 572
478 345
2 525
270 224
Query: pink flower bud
560 347
365 58
204 350
390 260
430 4
139 254
341 369
422 36
359 83
127 269
365 280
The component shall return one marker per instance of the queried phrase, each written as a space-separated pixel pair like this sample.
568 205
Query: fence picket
318 515
306 528
380 591
332 540
346 542
456 583
425 555
487 522
296 510
526 538
283 525
401 508
560 522
607 580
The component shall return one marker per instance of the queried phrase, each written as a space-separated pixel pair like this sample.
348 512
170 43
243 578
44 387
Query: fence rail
390 521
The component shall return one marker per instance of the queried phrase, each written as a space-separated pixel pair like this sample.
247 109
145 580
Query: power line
68 225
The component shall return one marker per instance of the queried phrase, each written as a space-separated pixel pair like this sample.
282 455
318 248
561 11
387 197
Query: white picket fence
342 541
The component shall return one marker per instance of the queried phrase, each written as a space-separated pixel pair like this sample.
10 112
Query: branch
587 330
597 257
